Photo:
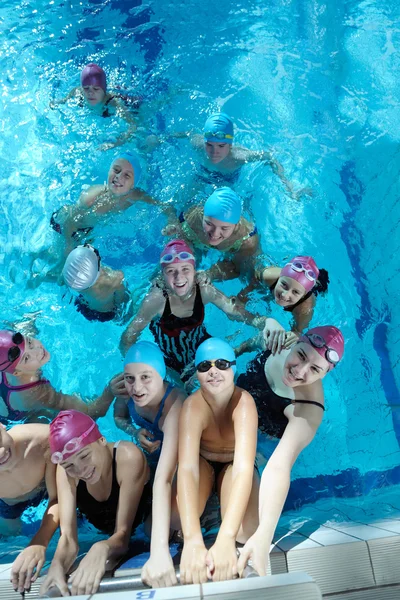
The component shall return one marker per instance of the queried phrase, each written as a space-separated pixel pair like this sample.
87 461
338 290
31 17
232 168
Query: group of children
194 429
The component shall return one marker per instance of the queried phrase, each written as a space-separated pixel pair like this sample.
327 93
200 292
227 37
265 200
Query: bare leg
250 519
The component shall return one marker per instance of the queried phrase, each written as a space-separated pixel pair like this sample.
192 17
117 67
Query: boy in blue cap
217 447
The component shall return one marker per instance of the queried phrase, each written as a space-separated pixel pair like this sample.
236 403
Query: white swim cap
82 268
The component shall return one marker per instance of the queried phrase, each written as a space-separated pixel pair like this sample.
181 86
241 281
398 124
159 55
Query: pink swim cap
328 341
12 346
303 269
71 431
92 74
177 251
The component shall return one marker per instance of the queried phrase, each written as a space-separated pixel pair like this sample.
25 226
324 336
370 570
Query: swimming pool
315 82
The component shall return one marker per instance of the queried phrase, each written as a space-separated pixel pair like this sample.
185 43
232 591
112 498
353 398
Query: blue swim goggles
220 135
169 258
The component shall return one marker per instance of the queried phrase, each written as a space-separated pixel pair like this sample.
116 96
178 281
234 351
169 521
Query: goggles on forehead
220 135
14 352
299 268
318 342
71 446
220 363
169 258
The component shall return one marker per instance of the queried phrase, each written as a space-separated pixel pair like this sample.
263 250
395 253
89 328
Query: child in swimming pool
151 416
217 447
221 160
107 482
27 476
93 94
174 308
102 292
75 222
288 392
294 287
220 224
25 394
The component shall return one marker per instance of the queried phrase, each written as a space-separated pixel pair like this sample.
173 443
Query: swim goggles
318 342
220 135
299 268
14 352
220 363
169 258
71 446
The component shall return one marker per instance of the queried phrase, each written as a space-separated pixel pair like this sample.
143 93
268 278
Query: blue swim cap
212 349
133 159
225 205
219 128
149 354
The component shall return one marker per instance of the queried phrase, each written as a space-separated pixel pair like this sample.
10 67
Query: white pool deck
332 557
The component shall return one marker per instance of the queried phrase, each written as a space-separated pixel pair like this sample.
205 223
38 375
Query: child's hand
144 438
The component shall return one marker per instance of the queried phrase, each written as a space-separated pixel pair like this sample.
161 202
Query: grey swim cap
82 268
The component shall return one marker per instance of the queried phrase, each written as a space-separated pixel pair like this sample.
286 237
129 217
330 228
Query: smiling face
142 383
94 94
217 231
121 177
179 277
216 381
87 464
303 366
8 456
216 151
33 357
288 291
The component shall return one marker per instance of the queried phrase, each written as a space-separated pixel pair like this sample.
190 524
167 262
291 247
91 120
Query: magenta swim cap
328 341
12 346
92 74
71 431
177 251
303 269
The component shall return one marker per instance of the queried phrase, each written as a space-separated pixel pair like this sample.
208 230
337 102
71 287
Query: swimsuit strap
114 470
309 402
169 389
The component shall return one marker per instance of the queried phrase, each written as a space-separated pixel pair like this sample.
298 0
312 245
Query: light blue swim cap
219 128
149 354
133 159
225 205
212 349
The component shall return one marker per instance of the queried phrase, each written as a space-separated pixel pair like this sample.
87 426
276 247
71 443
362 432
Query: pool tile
294 541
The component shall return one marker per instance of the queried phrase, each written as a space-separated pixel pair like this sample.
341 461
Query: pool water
314 81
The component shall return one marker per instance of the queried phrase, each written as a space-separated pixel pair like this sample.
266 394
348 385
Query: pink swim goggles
299 268
183 256
71 446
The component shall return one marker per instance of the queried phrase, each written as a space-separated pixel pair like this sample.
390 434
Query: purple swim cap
12 346
328 341
71 431
302 269
92 74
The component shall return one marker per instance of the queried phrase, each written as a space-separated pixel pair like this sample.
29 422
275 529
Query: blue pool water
317 83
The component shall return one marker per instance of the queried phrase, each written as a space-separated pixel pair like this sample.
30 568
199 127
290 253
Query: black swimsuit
103 514
91 314
270 406
179 337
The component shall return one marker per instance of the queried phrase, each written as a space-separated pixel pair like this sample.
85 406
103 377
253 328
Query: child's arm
222 558
232 307
74 92
193 560
132 474
27 566
159 570
304 421
151 306
303 314
67 547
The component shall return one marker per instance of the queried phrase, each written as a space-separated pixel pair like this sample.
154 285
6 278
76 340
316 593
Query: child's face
86 464
33 358
121 177
288 291
216 151
7 450
94 94
142 383
216 381
179 277
217 231
303 366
